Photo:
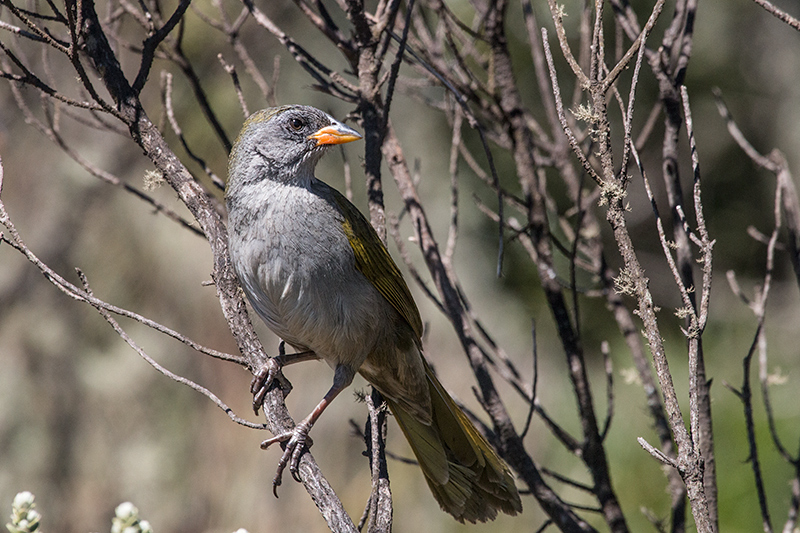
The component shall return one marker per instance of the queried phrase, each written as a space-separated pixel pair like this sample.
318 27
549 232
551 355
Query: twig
657 453
609 368
19 31
557 12
567 481
380 506
476 124
775 163
779 14
97 172
153 41
322 74
231 70
562 117
758 306
180 379
105 310
637 46
452 234
86 296
534 382
29 78
166 95
358 432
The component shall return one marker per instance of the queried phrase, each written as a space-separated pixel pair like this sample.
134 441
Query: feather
374 261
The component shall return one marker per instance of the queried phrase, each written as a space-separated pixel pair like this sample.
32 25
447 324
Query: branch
512 448
562 117
85 295
775 163
380 502
153 41
779 14
197 200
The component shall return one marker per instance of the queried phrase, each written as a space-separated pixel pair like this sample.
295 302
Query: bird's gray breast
298 268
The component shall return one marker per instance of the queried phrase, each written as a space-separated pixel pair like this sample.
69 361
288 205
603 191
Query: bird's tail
468 479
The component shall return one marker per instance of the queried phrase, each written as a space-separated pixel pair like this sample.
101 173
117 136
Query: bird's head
284 144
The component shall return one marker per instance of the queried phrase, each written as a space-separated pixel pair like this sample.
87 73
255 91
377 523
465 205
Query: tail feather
468 479
425 443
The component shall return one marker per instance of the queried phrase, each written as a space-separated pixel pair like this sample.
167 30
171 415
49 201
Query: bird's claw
262 381
294 444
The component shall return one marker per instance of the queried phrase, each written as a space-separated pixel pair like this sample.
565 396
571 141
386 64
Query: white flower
126 510
23 499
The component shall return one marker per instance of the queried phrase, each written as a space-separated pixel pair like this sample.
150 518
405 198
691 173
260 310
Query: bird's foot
271 371
294 444
262 381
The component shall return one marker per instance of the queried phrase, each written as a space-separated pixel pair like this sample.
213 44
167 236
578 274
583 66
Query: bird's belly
315 299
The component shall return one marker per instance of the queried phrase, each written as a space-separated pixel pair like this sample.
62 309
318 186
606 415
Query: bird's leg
269 371
297 441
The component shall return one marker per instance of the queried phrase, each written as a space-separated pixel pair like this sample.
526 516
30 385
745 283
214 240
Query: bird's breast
298 270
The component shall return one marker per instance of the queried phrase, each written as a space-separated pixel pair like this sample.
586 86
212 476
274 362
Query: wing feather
373 260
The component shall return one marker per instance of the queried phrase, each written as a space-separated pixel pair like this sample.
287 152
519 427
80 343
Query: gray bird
316 272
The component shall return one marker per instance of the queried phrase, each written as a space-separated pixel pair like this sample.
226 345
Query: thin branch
567 481
22 33
166 96
231 70
637 46
609 368
776 163
779 14
42 35
658 454
323 75
152 42
452 235
758 306
700 317
557 12
534 381
179 379
562 117
380 506
95 171
85 295
29 78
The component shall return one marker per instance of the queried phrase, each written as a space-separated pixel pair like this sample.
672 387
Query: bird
314 269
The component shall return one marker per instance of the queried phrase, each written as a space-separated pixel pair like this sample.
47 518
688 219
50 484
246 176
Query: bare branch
166 95
573 141
657 453
380 504
557 12
781 15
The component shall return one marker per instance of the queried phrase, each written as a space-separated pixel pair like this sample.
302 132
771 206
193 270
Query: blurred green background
86 424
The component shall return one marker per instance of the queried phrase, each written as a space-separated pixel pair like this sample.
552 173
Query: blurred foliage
84 423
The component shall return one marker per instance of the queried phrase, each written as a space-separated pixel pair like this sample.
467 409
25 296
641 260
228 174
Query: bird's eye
296 124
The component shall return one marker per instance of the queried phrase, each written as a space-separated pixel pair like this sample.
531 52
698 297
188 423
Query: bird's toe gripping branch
296 443
267 374
262 381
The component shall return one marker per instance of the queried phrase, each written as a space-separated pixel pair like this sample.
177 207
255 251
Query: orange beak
336 133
